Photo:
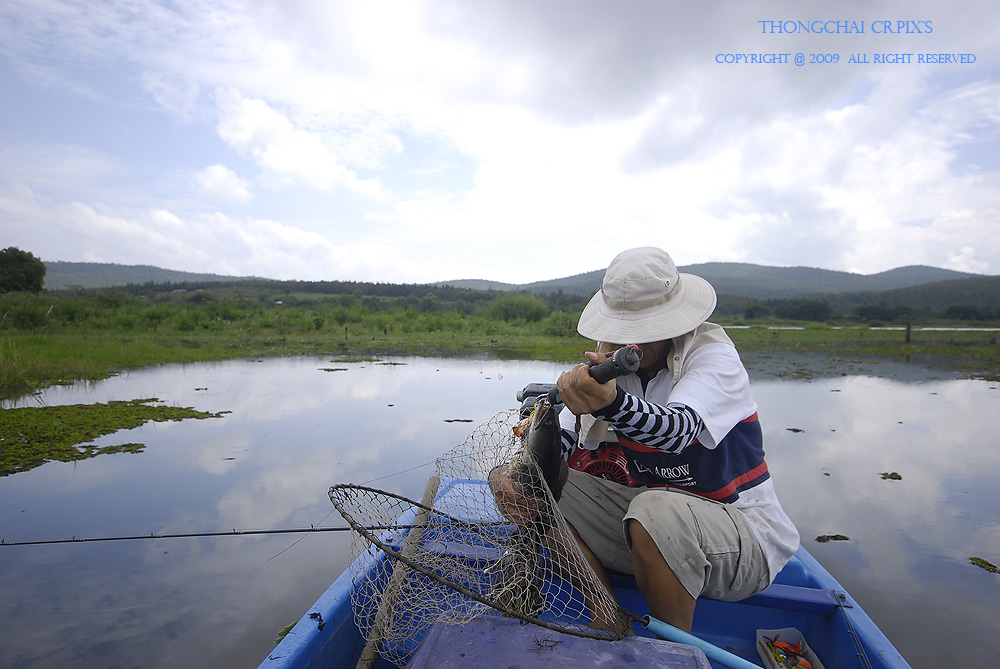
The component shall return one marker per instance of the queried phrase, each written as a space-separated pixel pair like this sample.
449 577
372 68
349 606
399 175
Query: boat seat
795 590
801 598
797 598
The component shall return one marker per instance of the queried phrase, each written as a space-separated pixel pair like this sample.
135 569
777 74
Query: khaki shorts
710 546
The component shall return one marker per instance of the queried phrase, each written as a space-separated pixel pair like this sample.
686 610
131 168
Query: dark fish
541 452
538 465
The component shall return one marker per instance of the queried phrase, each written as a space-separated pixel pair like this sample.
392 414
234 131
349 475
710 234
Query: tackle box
788 635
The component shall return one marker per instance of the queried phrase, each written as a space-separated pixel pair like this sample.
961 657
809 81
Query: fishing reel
528 396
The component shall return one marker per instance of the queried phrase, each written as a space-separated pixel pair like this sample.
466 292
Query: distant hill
578 284
483 284
919 288
62 275
748 280
781 282
981 293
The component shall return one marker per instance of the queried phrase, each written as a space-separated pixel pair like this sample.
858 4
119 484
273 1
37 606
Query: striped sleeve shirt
670 429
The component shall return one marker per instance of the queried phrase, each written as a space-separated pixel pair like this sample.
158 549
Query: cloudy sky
513 140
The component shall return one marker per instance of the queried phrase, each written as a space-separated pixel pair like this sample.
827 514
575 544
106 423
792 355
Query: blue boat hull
804 596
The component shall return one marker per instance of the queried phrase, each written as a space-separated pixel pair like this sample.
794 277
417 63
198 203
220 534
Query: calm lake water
299 425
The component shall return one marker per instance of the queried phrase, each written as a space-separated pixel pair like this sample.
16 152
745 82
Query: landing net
454 556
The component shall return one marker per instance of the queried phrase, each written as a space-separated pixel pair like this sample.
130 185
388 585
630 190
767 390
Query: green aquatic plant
823 538
32 436
984 564
283 633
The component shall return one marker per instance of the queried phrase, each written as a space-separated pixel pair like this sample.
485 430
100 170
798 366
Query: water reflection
908 558
295 429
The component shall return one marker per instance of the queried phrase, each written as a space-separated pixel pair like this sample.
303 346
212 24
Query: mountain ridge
919 288
61 275
751 280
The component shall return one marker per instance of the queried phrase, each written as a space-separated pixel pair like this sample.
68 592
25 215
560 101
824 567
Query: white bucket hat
644 299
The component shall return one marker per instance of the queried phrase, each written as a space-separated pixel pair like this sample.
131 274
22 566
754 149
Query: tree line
230 311
258 304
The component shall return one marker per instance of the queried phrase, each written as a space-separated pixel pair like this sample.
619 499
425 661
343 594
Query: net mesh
462 553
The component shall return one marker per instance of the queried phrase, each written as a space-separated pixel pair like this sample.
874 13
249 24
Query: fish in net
502 548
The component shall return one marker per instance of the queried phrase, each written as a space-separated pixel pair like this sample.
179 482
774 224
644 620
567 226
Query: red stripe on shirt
730 489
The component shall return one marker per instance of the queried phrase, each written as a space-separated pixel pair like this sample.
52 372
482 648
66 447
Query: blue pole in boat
671 633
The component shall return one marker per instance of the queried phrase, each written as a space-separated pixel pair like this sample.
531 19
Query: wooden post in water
907 332
393 590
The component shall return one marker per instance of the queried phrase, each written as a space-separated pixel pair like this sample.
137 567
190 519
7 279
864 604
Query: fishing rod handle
624 361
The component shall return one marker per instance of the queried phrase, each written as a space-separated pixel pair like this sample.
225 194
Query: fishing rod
190 535
186 535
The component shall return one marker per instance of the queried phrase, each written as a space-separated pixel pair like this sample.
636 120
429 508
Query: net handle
369 654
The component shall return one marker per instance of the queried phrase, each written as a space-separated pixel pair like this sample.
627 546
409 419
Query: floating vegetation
985 564
800 373
891 476
333 369
458 420
283 633
795 429
823 538
32 436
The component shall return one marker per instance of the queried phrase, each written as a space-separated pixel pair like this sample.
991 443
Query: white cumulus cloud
218 181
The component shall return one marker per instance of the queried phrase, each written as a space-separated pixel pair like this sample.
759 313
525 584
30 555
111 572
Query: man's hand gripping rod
623 361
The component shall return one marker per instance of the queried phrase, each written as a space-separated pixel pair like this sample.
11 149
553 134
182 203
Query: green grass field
54 338
30 360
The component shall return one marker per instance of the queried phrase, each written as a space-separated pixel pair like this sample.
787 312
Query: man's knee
645 552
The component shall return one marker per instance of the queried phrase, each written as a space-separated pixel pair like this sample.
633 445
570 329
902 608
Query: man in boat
698 516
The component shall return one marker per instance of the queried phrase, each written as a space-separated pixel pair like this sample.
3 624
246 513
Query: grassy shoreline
29 361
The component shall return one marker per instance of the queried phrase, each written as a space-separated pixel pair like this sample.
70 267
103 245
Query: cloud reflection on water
907 561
